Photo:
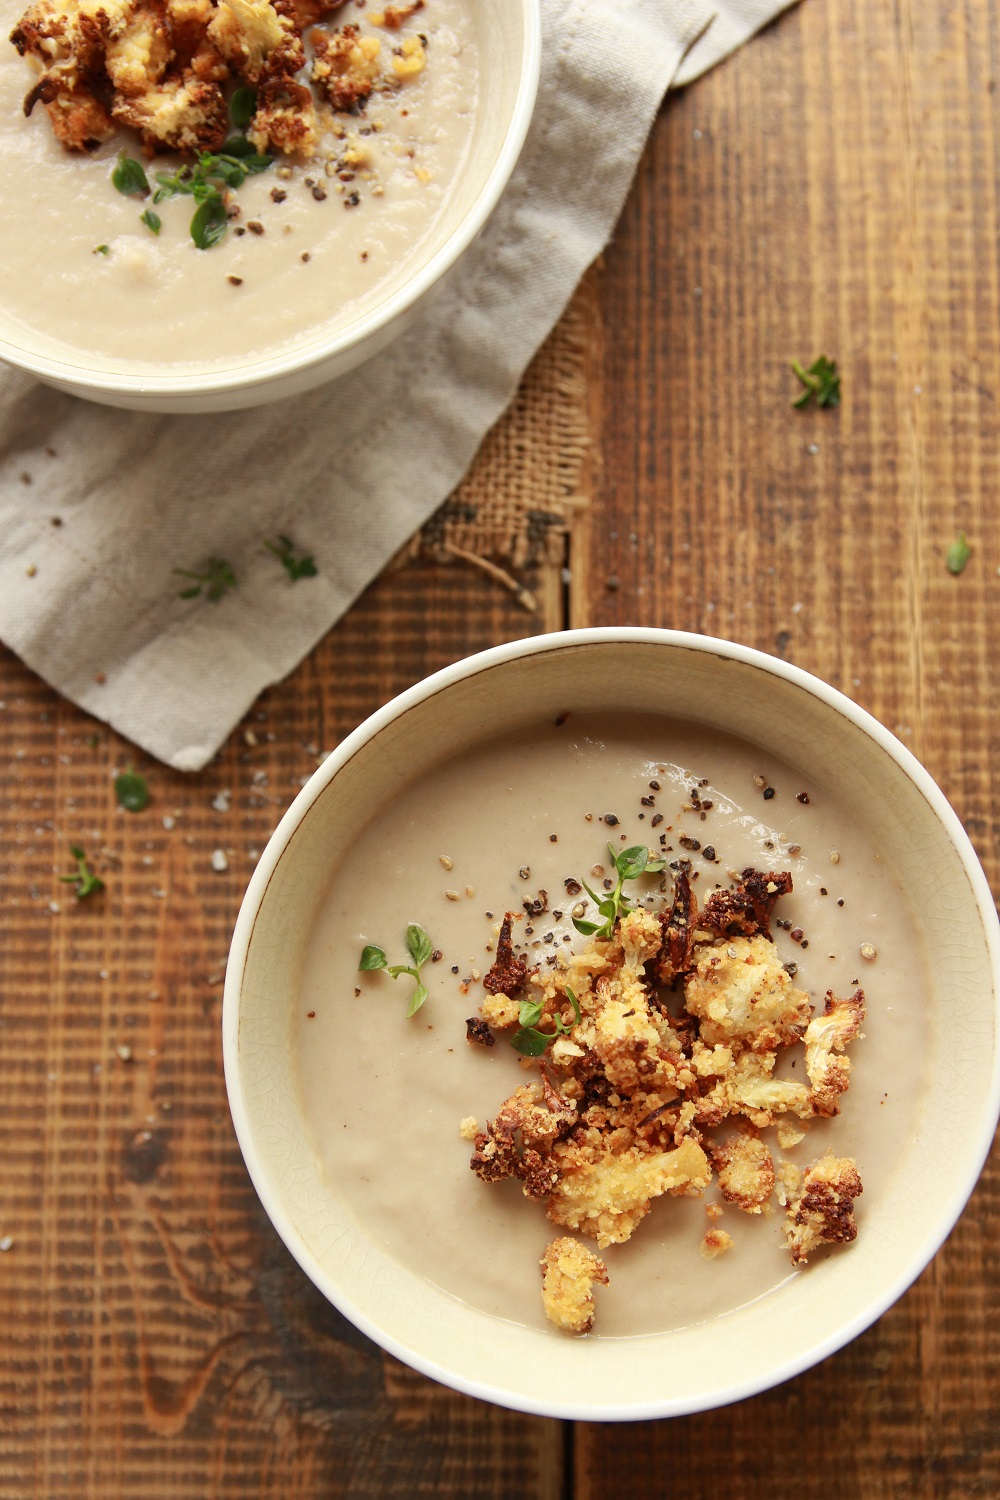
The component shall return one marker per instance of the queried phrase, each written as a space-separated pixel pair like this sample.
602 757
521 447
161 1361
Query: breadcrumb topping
626 1096
166 68
569 1273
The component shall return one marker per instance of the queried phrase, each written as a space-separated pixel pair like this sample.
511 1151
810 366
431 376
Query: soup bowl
205 378
849 761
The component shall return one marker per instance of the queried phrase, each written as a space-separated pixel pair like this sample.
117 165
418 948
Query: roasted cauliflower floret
607 1195
821 1212
183 114
742 994
569 1274
245 32
138 56
745 1171
285 118
79 121
410 60
825 1038
345 67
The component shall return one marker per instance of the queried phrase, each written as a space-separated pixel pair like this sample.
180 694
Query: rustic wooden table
832 189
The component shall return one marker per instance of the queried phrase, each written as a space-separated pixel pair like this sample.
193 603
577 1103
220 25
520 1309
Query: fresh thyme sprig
628 865
86 882
217 579
420 949
821 381
206 180
296 567
531 1042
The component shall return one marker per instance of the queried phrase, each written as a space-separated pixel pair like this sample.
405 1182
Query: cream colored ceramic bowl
854 761
509 34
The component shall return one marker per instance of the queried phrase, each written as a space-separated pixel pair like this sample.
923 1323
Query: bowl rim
960 1187
247 374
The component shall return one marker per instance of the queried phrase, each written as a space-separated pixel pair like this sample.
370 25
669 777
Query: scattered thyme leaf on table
420 949
958 554
628 865
296 567
217 579
531 1042
131 791
83 877
821 381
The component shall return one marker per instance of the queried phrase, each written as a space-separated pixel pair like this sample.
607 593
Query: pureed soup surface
384 1096
340 231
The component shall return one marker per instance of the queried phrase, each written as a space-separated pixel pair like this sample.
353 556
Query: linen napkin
91 603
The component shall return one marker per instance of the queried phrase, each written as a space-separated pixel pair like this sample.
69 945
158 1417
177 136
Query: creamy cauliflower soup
124 237
522 825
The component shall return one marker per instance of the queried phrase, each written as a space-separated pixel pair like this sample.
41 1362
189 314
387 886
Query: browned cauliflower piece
742 994
182 114
606 1195
394 15
246 32
569 1273
821 1211
138 55
745 1171
285 118
79 121
825 1038
715 1242
345 67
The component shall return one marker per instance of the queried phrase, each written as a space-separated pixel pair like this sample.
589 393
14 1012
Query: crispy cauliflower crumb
161 67
741 992
469 1128
715 1242
629 1088
569 1274
789 1134
822 1210
745 1171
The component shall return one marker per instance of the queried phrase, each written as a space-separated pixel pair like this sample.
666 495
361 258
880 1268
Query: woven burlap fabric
92 603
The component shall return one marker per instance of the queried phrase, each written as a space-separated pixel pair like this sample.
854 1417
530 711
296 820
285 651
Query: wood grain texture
158 1339
833 189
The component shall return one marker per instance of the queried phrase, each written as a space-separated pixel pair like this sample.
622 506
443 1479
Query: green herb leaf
420 949
102 249
575 1004
587 928
821 382
530 1043
631 862
129 177
131 791
216 580
418 944
416 1000
151 220
958 554
296 567
86 882
530 1012
209 224
242 107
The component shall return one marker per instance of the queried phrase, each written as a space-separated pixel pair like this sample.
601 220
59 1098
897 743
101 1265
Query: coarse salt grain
219 860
